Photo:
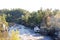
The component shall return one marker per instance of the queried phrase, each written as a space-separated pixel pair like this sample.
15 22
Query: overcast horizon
30 5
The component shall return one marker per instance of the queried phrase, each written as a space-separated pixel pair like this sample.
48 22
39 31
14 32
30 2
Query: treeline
27 18
3 20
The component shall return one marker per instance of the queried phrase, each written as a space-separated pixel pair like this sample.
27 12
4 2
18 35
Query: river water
28 34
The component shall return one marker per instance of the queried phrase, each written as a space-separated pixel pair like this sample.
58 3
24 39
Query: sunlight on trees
14 35
3 28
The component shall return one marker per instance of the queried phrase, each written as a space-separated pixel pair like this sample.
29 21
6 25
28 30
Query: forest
24 17
29 19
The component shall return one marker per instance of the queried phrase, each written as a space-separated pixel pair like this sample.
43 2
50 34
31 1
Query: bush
14 35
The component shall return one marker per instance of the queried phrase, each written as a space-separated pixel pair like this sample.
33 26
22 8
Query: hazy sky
31 5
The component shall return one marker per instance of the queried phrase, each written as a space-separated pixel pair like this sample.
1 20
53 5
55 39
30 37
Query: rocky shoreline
28 34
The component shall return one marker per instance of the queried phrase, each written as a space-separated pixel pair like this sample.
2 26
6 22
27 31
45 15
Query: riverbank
27 33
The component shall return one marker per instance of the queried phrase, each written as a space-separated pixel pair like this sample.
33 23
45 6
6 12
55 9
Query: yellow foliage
14 35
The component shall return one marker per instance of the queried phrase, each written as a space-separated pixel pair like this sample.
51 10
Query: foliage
29 19
3 31
25 17
14 35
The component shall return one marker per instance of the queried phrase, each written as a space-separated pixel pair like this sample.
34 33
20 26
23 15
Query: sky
30 5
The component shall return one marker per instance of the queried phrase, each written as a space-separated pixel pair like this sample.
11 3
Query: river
28 34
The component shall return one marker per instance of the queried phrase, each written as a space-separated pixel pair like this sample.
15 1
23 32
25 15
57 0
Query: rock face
36 29
57 19
55 22
3 32
51 26
46 25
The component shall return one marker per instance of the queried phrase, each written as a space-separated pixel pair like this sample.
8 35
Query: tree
26 16
47 16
